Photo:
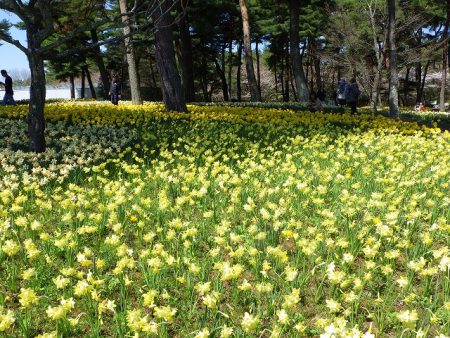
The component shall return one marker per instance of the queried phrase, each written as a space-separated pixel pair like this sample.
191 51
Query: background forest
336 39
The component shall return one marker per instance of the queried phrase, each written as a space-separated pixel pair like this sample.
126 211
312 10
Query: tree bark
258 67
377 48
83 84
172 91
424 78
238 74
91 85
282 66
72 86
230 67
131 59
221 72
101 65
393 72
252 83
288 72
296 57
418 81
204 71
187 63
36 122
444 61
406 86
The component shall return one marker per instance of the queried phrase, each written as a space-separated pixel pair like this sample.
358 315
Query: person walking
8 98
351 95
340 92
114 92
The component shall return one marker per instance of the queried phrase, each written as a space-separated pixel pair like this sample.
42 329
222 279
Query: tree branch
13 7
77 50
7 38
81 29
46 12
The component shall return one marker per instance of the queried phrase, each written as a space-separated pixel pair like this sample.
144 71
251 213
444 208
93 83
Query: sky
11 58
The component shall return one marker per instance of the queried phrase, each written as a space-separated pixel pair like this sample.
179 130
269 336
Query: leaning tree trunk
131 58
172 91
251 78
424 79
444 61
296 57
393 72
101 65
36 121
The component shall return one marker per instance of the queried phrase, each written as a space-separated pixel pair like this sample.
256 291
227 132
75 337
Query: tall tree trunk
424 78
238 74
283 91
253 85
377 48
418 81
173 95
83 84
36 121
204 71
316 61
288 72
258 66
152 72
72 86
291 81
275 70
91 85
230 67
221 72
101 65
406 86
131 58
187 63
393 72
296 57
444 61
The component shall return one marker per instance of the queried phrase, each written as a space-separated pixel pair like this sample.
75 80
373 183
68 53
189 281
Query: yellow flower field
225 222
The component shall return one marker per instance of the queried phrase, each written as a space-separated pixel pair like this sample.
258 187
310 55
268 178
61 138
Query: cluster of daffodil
69 148
229 222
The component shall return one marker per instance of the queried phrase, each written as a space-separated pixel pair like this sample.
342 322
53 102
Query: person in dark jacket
351 95
340 92
114 92
9 93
